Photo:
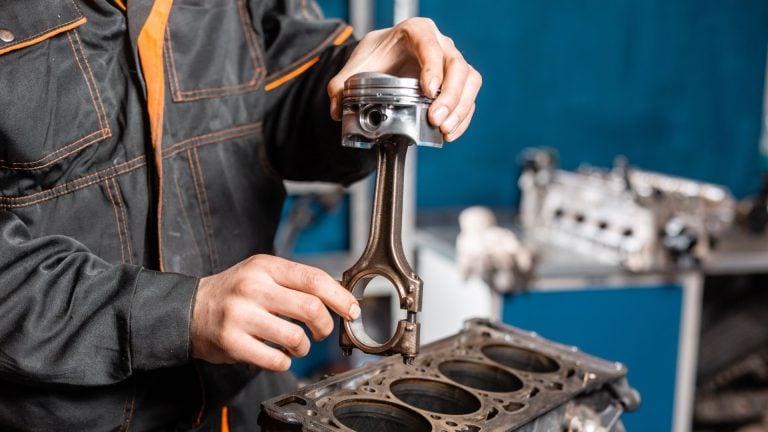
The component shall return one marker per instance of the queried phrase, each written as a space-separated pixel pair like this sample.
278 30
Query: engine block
488 377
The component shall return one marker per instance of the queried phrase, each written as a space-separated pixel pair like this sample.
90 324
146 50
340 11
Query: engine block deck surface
488 377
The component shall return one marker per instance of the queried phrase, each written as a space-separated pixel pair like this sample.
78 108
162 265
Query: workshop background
675 86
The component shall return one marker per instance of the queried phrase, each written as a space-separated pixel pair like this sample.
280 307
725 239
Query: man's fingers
463 126
288 335
244 348
456 74
300 306
465 105
314 281
423 41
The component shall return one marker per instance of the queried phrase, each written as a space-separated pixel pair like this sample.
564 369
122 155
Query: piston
386 114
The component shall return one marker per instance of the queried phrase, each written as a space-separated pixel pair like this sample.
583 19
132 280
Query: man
141 167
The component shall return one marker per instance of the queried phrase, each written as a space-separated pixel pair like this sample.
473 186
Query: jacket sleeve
304 142
69 317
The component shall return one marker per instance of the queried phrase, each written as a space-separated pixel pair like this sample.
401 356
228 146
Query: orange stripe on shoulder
343 36
44 36
291 75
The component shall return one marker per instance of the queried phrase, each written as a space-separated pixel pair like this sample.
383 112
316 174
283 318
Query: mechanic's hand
416 48
236 312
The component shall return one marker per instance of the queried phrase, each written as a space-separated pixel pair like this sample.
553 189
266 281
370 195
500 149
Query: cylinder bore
435 396
369 415
520 358
480 376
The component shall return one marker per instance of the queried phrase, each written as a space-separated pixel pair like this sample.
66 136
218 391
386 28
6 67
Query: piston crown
378 106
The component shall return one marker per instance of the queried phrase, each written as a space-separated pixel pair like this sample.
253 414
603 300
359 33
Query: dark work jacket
93 335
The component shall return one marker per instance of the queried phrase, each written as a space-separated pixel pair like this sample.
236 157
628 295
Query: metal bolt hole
513 406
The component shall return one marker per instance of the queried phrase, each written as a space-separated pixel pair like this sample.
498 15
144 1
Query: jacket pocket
211 50
51 102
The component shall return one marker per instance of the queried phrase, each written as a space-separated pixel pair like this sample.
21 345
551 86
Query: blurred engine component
491 252
734 395
489 377
638 219
732 384
753 211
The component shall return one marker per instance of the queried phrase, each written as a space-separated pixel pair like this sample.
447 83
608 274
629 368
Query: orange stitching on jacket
218 132
73 185
64 192
206 204
207 220
199 198
232 90
309 54
168 51
116 170
121 5
74 3
193 174
95 174
100 115
117 222
291 75
181 145
47 33
121 204
105 132
186 215
129 410
254 48
103 112
254 52
38 163
85 78
213 141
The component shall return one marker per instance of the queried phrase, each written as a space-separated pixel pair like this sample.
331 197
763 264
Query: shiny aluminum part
638 219
487 378
378 106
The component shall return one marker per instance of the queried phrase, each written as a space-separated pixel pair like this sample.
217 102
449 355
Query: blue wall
676 85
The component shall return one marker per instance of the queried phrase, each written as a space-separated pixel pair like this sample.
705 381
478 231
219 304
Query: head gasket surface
488 377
